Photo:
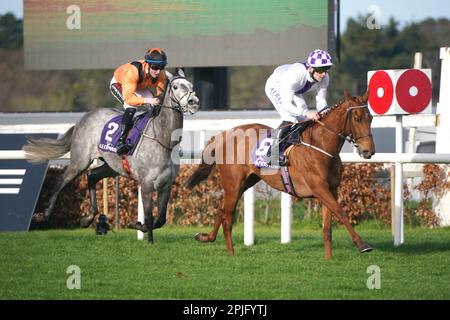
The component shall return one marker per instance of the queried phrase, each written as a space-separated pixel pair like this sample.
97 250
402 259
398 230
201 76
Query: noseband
349 137
177 107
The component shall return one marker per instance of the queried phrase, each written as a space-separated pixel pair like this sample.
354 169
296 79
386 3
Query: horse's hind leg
229 208
69 175
224 215
94 176
211 237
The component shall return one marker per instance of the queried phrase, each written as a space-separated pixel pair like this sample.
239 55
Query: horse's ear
365 97
180 72
347 95
169 75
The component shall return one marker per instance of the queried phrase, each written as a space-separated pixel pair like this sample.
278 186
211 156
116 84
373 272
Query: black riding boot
127 122
282 139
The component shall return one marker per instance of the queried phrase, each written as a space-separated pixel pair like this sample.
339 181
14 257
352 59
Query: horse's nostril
367 153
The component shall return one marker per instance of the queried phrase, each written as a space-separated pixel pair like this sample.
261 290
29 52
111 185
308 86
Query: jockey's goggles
322 69
156 67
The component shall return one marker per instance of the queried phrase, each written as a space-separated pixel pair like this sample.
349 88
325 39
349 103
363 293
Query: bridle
347 137
176 107
177 102
348 120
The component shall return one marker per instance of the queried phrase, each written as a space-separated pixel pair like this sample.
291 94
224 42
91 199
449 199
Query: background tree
11 32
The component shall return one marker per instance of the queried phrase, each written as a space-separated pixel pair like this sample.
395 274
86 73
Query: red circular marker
381 92
413 91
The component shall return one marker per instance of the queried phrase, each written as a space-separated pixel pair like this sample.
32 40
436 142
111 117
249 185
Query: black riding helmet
156 57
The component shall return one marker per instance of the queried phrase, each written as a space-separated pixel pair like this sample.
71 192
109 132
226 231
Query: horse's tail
205 168
44 149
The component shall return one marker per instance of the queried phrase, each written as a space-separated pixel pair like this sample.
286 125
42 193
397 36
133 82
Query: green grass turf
33 265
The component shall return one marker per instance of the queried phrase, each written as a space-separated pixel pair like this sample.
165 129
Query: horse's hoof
38 217
364 248
137 226
158 224
86 222
202 237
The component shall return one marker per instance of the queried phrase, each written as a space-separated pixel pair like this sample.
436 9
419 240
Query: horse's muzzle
366 154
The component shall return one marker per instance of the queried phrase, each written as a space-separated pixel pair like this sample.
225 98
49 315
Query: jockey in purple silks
287 84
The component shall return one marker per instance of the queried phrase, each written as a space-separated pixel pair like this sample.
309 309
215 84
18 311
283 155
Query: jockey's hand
151 101
312 115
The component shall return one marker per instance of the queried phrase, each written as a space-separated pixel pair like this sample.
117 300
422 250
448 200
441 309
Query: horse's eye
357 118
175 87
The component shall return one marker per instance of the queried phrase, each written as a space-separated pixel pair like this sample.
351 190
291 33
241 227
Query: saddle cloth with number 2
111 133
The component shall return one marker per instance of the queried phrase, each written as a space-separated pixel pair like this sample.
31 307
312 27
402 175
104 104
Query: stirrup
123 149
283 161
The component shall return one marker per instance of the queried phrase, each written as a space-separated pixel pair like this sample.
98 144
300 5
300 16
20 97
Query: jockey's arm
295 81
300 105
129 88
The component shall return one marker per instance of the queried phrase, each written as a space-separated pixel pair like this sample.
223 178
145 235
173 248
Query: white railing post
202 139
398 201
286 217
141 217
249 217
442 205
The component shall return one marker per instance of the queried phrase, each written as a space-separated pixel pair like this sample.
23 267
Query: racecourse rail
205 124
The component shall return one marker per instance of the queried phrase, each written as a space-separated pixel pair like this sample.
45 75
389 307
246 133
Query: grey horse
151 164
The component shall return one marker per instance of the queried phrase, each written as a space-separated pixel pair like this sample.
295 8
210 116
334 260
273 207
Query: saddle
111 133
263 157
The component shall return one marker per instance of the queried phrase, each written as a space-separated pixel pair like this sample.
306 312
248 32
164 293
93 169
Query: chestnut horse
315 166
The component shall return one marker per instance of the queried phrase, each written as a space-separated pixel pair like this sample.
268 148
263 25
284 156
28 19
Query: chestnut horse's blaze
313 173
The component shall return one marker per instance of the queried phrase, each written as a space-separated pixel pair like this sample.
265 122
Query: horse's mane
324 113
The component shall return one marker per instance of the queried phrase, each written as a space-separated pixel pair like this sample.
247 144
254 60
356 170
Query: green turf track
33 265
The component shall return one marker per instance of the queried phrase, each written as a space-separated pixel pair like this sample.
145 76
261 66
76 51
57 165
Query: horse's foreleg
323 193
94 176
327 232
327 228
163 200
147 192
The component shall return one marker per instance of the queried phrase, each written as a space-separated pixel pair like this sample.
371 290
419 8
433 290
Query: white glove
312 115
151 101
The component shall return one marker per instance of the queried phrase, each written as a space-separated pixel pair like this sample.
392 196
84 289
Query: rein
177 107
349 138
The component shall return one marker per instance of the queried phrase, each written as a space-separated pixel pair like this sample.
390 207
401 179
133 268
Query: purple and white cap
319 58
